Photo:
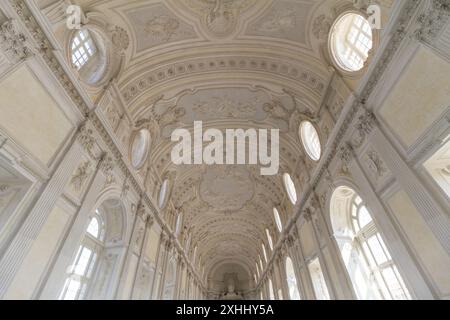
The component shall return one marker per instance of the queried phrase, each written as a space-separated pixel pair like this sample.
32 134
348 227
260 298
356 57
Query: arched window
81 272
264 252
83 48
276 215
350 41
261 264
310 139
91 274
163 194
269 239
290 188
294 294
370 266
271 292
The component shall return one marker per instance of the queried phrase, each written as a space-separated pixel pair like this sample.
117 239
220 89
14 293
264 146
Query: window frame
336 57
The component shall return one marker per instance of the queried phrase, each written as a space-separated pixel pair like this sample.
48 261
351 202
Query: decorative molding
13 42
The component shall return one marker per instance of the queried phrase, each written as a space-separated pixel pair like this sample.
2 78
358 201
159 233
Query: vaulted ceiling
232 64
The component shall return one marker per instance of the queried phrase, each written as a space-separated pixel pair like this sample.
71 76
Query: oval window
276 215
310 140
140 148
290 188
351 39
163 194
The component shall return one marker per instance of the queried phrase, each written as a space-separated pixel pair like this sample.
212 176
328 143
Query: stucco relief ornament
107 166
364 127
80 176
219 17
86 139
13 42
321 27
120 38
375 164
431 22
345 154
162 27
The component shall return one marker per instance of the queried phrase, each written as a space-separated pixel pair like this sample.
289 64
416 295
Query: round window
310 139
140 148
350 41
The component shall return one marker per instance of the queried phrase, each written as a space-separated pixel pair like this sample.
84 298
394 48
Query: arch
92 272
367 259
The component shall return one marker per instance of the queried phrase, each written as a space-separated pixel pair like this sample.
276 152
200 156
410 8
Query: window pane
93 227
82 263
72 290
318 280
377 250
364 217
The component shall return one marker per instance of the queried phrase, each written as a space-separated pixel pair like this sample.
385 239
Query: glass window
264 252
269 239
373 272
276 215
351 41
83 48
310 140
294 294
290 188
80 273
178 225
318 280
163 194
